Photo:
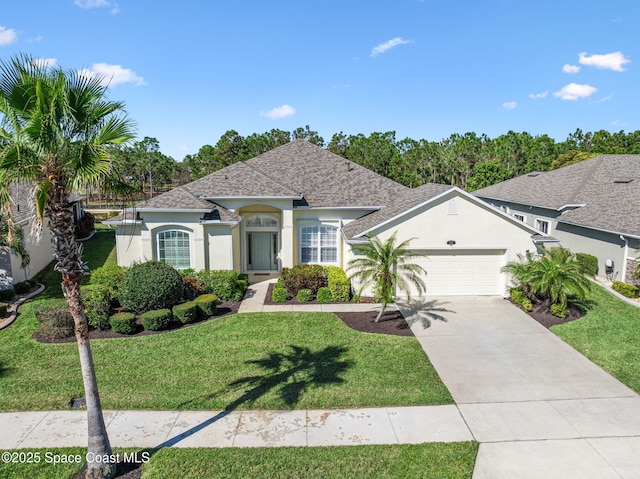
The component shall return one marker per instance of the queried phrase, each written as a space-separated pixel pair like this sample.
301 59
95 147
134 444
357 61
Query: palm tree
387 266
555 276
55 125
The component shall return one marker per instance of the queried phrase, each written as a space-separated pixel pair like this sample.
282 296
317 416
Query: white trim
216 222
283 197
310 223
372 208
571 205
595 228
538 221
174 210
164 229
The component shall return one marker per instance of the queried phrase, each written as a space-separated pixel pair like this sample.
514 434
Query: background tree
388 268
55 126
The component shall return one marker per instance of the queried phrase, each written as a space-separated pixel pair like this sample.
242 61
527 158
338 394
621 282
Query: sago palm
388 267
55 125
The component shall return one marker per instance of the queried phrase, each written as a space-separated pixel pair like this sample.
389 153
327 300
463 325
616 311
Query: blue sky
191 70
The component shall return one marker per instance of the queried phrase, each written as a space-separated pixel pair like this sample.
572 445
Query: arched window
259 221
174 248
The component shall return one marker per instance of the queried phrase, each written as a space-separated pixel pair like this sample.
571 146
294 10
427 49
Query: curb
16 303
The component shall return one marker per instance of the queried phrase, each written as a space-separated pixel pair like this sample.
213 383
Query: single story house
592 207
37 245
299 203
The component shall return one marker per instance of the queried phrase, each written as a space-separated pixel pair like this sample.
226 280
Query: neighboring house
37 245
300 203
591 207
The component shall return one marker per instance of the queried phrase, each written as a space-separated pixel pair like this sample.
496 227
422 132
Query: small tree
387 267
555 276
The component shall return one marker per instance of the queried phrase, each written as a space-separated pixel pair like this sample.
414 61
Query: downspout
623 276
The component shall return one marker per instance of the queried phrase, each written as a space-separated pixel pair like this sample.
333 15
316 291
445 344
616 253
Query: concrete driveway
538 407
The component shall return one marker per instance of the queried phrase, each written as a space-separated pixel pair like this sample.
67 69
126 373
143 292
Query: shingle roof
607 204
296 169
405 201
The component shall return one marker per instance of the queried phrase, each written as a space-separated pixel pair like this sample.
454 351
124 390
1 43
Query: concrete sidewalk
331 427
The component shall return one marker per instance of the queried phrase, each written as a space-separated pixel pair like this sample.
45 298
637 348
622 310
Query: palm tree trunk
384 306
68 255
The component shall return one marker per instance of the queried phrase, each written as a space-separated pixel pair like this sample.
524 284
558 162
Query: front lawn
609 335
435 461
245 361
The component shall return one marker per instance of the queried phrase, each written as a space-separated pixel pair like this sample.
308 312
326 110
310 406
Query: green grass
609 335
246 361
435 461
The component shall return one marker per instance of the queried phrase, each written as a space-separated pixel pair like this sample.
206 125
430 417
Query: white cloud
113 75
278 112
7 35
88 4
605 99
575 91
538 96
611 61
46 62
183 148
36 39
338 86
510 105
571 69
383 47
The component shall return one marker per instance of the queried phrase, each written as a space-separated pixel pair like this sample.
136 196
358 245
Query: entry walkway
537 407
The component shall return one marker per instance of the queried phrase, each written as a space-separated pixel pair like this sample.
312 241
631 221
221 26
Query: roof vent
533 175
623 180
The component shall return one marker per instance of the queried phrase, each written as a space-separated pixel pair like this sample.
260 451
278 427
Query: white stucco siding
484 242
219 243
129 245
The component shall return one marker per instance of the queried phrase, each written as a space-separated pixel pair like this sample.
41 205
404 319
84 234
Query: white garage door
463 272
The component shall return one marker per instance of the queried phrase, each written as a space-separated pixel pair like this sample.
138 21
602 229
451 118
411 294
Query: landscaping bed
391 322
540 313
224 308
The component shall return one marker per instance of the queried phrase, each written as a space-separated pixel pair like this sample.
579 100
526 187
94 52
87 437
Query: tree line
468 160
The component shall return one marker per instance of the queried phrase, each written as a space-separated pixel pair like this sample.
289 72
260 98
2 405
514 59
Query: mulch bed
541 314
224 308
124 471
391 322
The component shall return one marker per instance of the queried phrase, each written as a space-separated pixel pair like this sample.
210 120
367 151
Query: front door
262 247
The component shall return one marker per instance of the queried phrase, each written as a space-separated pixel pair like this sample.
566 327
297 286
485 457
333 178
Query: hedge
223 283
109 275
628 290
279 295
207 305
338 283
304 295
157 319
186 312
97 304
3 309
324 295
151 285
588 263
22 287
123 323
7 294
518 297
304 276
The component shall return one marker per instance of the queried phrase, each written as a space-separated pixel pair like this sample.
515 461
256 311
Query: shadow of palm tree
422 311
290 374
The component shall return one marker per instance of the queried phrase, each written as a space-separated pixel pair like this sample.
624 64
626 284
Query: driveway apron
538 407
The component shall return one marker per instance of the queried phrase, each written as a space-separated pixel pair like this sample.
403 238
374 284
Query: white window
522 218
319 244
174 248
542 225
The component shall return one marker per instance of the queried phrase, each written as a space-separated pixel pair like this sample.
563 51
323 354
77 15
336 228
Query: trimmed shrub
304 296
559 311
186 312
7 294
22 287
244 277
3 309
156 320
324 295
109 275
151 285
628 290
123 323
32 282
207 305
223 283
588 263
279 295
56 323
338 283
279 282
97 304
518 297
304 276
192 287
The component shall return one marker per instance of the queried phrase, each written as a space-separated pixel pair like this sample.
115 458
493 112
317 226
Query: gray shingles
607 205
